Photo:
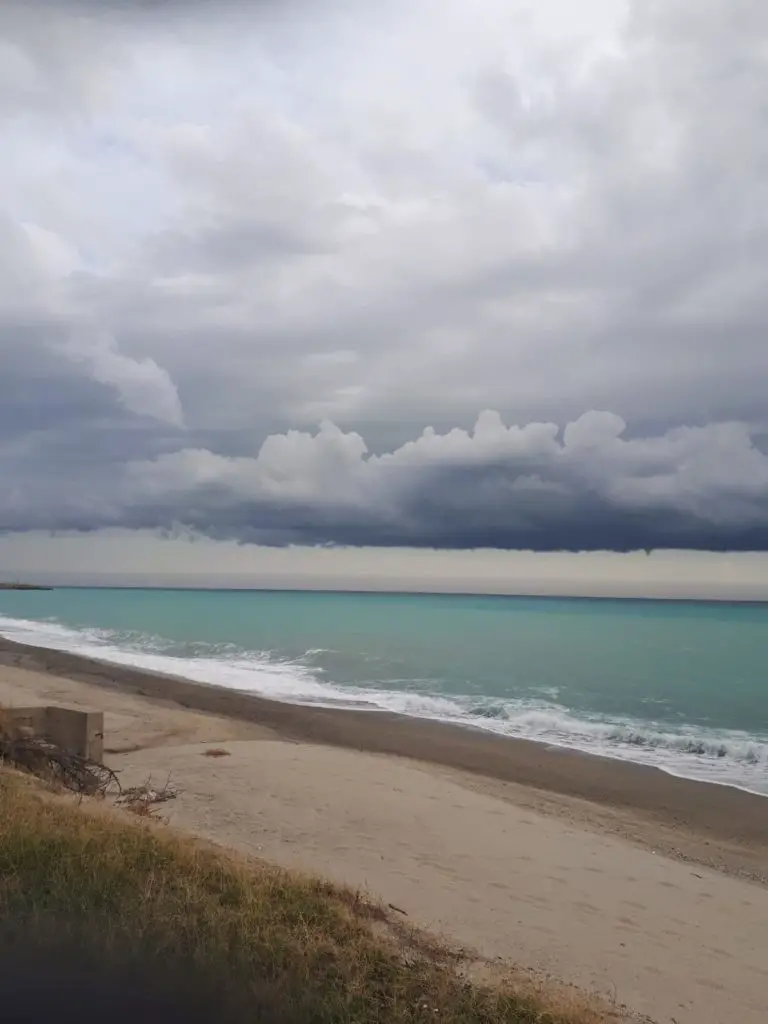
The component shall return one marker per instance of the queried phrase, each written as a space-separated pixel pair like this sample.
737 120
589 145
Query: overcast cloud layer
452 273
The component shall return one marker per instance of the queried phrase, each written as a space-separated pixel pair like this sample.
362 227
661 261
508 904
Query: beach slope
644 888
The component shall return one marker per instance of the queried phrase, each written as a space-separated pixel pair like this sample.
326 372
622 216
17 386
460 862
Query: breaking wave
727 757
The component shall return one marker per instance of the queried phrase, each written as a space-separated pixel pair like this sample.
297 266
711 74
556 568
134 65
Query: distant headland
22 586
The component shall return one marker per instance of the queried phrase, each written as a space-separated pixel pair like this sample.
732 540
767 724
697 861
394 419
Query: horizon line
352 591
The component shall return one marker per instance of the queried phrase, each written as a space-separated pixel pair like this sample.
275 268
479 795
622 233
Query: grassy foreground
257 942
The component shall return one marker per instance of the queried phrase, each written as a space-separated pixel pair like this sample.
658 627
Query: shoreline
676 769
713 811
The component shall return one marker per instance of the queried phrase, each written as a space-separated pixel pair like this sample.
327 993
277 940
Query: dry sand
615 878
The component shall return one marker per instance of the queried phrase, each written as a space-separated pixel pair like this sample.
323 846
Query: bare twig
52 762
143 799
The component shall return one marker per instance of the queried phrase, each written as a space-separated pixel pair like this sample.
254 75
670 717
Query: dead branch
55 764
143 799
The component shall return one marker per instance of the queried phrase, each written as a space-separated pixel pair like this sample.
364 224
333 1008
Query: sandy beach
620 879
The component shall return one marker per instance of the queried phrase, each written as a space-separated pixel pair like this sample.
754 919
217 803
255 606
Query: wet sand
611 876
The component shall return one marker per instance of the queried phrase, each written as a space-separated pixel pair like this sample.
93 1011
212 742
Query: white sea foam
250 674
721 756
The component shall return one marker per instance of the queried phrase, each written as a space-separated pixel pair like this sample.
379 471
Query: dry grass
262 943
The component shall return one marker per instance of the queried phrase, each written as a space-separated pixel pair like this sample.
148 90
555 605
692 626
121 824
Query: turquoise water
683 686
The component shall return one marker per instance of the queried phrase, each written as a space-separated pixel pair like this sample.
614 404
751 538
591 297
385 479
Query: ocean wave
721 756
639 740
221 665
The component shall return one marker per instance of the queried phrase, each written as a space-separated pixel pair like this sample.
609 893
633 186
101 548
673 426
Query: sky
447 276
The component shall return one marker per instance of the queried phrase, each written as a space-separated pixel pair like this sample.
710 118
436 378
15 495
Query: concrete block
79 732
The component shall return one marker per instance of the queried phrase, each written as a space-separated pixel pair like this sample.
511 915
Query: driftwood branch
52 762
143 799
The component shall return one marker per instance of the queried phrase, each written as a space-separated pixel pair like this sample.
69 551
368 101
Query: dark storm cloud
588 487
218 226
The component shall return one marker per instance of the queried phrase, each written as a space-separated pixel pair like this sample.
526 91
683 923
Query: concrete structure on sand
78 732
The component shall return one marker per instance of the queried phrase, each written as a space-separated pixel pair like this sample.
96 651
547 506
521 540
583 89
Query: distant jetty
22 586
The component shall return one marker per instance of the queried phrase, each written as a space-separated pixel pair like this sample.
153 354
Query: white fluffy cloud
512 486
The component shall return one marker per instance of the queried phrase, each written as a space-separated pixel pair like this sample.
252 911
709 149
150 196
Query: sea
679 685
